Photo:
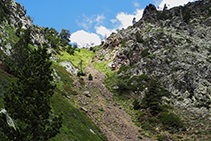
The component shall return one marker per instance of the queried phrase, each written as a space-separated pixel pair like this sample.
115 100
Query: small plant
140 137
144 52
152 119
123 43
161 137
180 99
171 120
81 74
175 68
90 77
139 39
136 104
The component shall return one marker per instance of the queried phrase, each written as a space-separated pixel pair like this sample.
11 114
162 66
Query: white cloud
100 18
113 20
87 22
103 31
123 20
136 4
173 3
126 19
85 39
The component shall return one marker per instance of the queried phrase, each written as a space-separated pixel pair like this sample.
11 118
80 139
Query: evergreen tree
136 105
64 37
28 100
19 53
52 36
153 98
70 50
5 11
90 77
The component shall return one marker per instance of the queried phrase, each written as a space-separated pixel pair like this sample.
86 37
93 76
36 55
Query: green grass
84 55
102 67
12 38
76 125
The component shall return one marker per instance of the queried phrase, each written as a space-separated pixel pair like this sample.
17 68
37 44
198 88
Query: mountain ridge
166 44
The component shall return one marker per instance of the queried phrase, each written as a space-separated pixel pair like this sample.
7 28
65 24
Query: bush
81 74
123 68
140 137
171 120
139 39
123 43
152 119
144 52
90 77
161 137
136 105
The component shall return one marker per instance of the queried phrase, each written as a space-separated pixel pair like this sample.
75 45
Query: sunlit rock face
174 46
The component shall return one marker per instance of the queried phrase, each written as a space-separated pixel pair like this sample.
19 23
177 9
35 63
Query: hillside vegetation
75 123
151 81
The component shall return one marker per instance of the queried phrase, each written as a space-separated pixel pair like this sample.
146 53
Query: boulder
69 67
84 109
207 22
87 94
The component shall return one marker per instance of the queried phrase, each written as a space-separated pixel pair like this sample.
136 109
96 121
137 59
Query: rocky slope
173 45
16 18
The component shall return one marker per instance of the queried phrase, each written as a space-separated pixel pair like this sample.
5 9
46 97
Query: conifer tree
64 37
153 98
19 53
28 100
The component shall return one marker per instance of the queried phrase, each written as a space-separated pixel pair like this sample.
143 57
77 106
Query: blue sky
89 20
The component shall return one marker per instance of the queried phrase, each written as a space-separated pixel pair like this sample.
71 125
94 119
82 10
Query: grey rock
69 67
207 22
87 94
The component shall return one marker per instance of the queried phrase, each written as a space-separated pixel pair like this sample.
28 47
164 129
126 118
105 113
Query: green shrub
136 105
90 77
81 74
123 68
138 38
123 43
144 52
152 119
171 120
175 68
161 137
140 137
180 99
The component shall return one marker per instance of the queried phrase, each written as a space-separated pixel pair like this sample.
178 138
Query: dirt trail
115 123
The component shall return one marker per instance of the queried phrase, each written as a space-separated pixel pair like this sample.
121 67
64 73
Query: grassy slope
84 55
76 125
5 78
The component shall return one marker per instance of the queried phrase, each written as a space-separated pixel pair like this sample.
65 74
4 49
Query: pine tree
28 100
64 37
19 53
153 98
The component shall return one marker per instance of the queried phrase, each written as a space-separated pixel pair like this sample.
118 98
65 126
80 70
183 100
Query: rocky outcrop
177 50
69 67
16 18
149 13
